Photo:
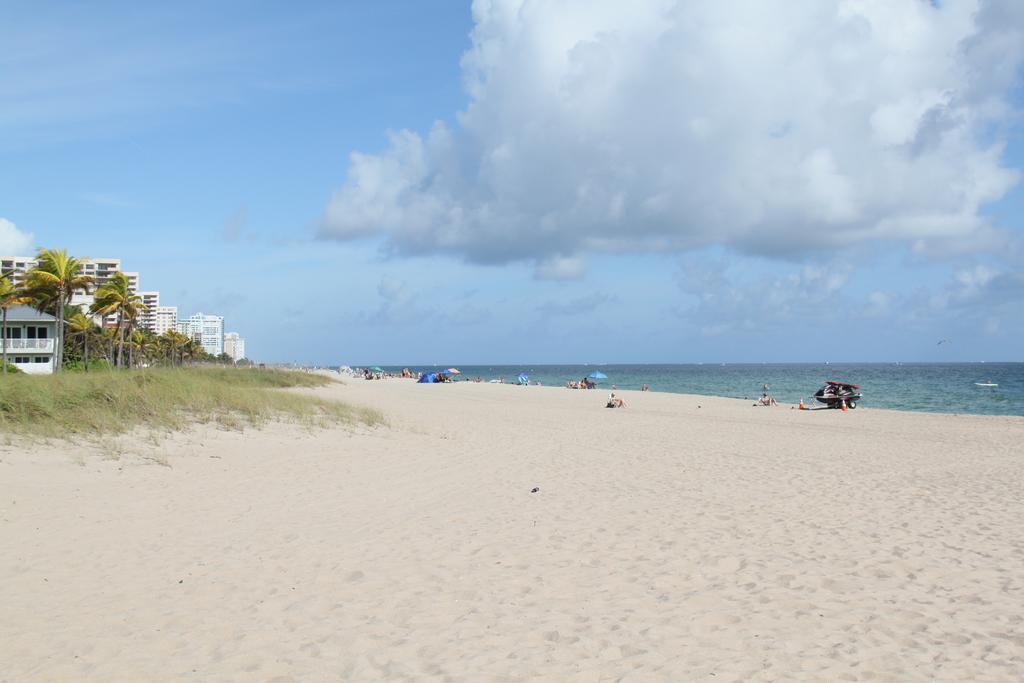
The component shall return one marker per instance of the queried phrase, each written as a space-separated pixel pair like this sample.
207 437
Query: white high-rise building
99 269
165 319
158 319
234 346
147 319
207 330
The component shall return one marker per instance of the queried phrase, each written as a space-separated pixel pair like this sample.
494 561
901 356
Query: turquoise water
929 387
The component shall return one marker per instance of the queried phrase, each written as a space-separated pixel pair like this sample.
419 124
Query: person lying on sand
766 400
614 402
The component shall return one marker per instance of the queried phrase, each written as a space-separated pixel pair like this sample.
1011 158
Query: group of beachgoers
614 401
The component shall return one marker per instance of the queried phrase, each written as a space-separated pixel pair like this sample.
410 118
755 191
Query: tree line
120 342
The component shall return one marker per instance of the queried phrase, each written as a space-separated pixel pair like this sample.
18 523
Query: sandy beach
681 538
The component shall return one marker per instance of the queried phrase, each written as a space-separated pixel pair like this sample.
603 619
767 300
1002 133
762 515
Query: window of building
40 359
21 359
14 333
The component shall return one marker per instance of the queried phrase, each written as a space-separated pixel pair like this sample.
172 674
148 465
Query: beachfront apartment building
165 319
157 319
234 346
100 269
205 330
147 319
30 340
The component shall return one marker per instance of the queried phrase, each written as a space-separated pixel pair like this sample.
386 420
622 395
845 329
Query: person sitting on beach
614 402
644 388
766 400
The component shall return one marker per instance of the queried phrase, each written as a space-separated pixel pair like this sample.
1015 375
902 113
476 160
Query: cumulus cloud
14 242
399 303
981 286
560 268
724 299
774 128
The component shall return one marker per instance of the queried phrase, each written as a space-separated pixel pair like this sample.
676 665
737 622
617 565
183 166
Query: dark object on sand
535 489
833 394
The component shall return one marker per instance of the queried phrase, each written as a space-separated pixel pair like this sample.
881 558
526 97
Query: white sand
667 541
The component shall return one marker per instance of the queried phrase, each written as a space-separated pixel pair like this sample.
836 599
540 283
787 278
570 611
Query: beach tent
429 378
597 374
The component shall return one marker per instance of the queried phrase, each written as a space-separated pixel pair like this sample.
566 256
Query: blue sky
407 182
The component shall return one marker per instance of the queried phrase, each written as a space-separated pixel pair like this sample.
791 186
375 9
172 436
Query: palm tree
172 343
142 341
191 349
81 325
51 284
116 297
108 336
9 296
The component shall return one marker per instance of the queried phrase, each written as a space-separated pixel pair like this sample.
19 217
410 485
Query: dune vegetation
77 404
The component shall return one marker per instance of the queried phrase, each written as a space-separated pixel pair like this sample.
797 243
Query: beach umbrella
597 374
453 371
376 368
523 378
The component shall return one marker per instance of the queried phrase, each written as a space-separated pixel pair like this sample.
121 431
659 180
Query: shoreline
946 388
606 390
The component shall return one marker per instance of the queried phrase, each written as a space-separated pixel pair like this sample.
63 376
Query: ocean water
928 387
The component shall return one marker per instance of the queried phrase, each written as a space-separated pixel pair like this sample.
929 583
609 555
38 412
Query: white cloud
783 126
560 268
982 286
731 297
14 242
402 304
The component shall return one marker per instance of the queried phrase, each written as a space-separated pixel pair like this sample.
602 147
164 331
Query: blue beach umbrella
523 378
597 374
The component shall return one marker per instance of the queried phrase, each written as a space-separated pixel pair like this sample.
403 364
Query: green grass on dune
95 403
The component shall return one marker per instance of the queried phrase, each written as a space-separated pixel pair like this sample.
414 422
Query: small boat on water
989 383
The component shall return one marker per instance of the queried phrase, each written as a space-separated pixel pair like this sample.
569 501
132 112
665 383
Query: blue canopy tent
429 378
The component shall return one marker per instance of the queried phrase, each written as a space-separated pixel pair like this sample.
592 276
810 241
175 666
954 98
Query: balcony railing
37 345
